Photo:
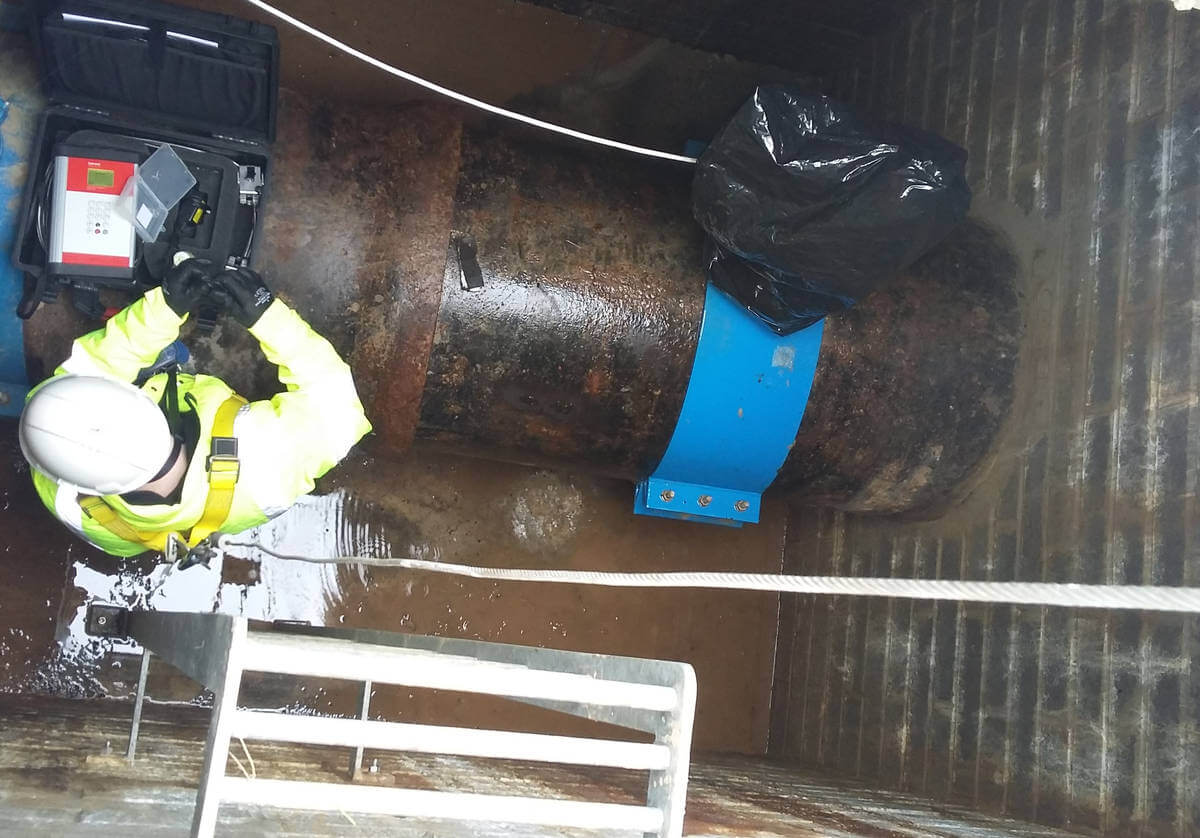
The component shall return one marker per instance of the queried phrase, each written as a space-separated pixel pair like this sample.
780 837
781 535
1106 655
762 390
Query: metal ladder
656 697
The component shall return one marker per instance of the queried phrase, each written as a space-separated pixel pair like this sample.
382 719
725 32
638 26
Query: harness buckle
174 548
203 553
223 458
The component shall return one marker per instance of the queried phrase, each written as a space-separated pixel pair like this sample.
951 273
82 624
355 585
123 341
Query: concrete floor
428 503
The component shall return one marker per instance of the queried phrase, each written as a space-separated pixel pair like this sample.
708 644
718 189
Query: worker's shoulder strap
223 470
99 511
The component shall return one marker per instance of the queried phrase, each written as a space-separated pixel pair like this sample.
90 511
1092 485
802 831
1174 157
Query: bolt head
102 621
668 495
704 500
742 505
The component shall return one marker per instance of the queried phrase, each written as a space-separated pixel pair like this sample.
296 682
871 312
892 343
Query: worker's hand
185 284
248 295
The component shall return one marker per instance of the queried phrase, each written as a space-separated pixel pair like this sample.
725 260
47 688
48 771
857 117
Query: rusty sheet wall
1080 117
766 31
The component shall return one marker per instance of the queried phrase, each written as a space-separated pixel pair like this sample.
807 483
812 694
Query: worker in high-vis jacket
166 465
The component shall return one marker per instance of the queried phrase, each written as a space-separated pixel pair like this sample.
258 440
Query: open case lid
199 72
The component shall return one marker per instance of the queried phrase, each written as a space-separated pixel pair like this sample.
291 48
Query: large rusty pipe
578 347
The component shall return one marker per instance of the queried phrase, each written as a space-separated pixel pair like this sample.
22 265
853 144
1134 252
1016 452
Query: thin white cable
460 97
1133 597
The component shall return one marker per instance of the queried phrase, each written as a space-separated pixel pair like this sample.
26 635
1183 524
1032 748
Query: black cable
40 213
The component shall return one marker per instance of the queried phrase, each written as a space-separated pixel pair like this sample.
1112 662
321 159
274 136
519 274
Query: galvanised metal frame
655 697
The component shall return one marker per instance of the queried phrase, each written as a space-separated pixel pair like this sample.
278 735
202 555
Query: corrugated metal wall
809 35
1082 118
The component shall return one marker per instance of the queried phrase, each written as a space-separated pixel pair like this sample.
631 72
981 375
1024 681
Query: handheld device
90 235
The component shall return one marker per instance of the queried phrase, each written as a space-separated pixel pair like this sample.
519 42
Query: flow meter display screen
100 177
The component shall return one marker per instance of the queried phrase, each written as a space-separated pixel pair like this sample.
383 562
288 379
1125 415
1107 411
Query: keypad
98 215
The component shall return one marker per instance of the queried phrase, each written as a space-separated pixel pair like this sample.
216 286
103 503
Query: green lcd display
100 177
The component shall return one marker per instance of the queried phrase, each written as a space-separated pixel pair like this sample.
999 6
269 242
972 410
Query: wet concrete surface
444 508
37 553
428 503
437 506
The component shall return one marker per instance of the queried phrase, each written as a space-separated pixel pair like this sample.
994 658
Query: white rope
1135 597
252 774
460 97
250 759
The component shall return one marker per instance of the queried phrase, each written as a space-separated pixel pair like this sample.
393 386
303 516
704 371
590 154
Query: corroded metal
355 233
578 346
913 383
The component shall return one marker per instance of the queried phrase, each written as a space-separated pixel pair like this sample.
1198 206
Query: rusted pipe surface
355 232
912 383
578 346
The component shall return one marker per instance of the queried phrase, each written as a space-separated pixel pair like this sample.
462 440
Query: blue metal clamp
743 407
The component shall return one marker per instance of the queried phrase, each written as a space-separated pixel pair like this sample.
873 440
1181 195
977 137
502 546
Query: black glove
248 296
185 284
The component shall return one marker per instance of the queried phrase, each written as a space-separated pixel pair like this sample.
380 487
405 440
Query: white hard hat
99 434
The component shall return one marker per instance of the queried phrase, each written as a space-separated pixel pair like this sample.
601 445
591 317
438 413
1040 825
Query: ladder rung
420 803
323 657
457 741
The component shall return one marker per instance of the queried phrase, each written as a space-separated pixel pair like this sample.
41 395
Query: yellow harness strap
107 517
223 469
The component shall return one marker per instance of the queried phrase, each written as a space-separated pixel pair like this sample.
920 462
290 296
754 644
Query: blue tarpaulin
13 383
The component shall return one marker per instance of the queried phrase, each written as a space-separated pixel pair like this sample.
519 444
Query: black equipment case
126 76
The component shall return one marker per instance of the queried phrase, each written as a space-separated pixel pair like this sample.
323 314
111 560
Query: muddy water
439 507
35 556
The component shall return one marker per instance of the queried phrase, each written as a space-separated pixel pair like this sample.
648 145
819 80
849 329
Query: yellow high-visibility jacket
284 444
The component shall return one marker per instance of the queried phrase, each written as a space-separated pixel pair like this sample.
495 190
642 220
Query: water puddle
487 514
271 590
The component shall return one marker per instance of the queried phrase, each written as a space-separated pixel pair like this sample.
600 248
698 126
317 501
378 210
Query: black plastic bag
810 206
